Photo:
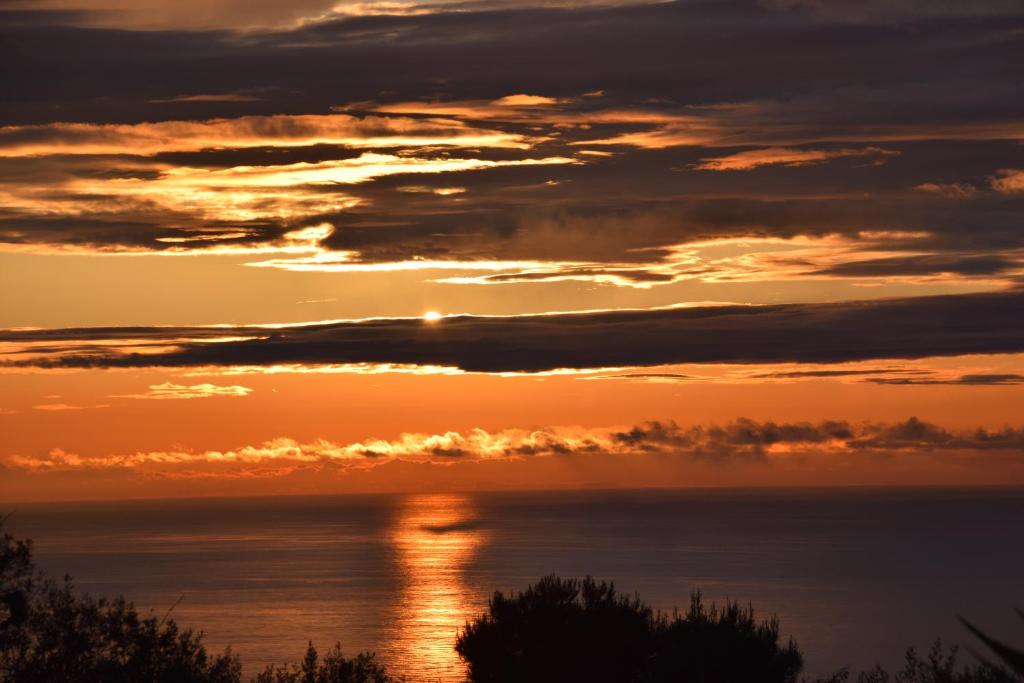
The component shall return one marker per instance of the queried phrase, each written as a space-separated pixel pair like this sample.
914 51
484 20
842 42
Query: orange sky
105 414
755 250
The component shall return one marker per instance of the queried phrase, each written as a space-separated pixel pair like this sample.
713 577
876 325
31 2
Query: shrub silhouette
723 645
569 629
50 634
333 668
939 666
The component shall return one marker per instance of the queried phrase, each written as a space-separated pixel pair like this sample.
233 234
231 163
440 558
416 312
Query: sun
432 316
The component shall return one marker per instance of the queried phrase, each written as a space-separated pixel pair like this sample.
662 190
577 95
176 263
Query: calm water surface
854 575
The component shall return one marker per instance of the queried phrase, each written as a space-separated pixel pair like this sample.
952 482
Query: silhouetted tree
567 629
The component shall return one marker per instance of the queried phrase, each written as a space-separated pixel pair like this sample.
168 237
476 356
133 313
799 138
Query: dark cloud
817 333
668 376
589 216
811 374
992 379
742 437
256 156
917 434
662 50
753 438
924 265
936 92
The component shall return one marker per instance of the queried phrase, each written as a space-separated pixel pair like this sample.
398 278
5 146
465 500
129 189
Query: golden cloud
171 391
248 131
743 440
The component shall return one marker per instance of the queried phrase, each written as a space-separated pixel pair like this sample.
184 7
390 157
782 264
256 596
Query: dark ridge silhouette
557 630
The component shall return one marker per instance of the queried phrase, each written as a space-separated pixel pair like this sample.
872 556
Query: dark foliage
49 633
567 629
1010 656
333 668
940 666
726 645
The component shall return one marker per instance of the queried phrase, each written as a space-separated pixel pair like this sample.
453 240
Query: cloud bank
917 327
743 440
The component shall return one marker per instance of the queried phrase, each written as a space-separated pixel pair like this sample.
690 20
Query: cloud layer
916 327
742 440
854 125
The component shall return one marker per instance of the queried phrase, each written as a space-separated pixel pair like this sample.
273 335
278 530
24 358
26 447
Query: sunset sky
321 247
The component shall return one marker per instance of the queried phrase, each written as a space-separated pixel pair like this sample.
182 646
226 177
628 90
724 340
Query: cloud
931 264
916 327
866 11
246 131
522 100
814 118
951 190
529 217
1008 181
171 391
786 156
742 440
817 374
561 51
210 97
252 141
978 379
56 407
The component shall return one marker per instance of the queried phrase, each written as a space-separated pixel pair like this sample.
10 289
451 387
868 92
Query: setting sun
432 316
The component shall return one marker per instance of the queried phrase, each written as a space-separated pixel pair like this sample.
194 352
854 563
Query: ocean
854 575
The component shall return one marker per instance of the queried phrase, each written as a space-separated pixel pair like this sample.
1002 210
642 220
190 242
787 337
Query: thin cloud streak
168 391
782 156
248 131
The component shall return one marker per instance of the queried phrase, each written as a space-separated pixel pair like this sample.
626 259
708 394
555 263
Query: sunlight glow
435 536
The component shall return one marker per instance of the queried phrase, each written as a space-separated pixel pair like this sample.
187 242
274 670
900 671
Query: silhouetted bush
49 633
726 645
572 630
940 666
333 668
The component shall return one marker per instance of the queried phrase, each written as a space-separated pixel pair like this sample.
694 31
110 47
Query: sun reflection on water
435 537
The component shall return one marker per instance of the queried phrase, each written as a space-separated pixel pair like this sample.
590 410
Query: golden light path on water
435 538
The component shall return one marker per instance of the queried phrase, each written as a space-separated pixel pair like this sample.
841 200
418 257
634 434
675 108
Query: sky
253 248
